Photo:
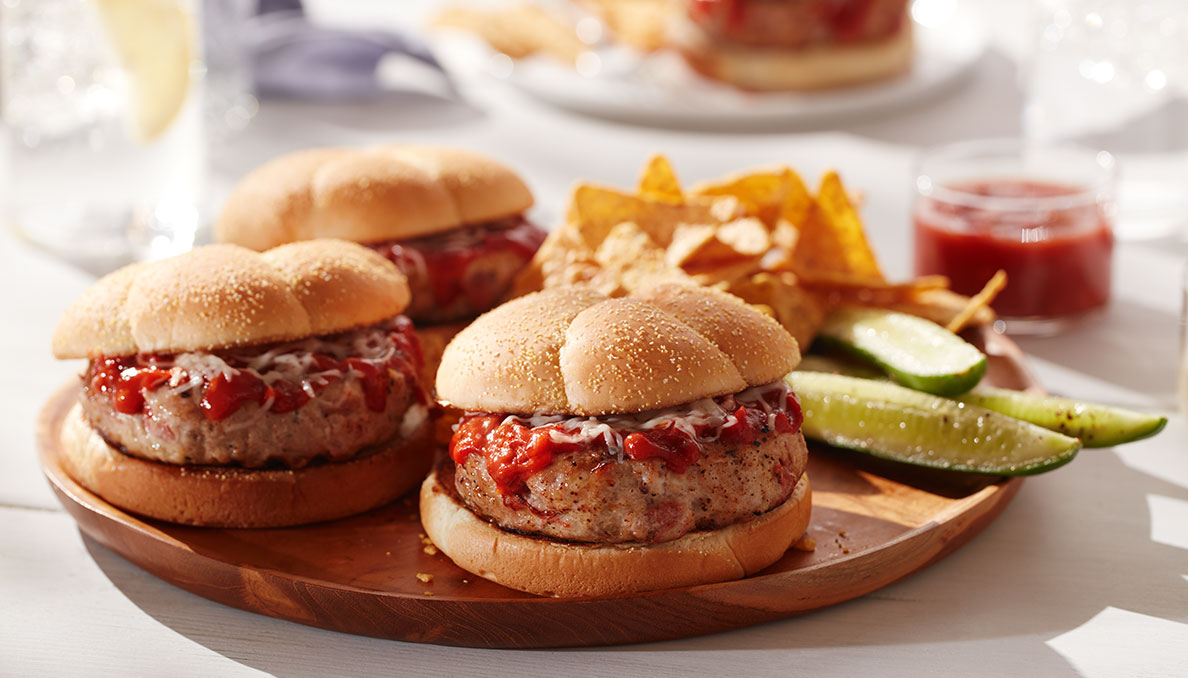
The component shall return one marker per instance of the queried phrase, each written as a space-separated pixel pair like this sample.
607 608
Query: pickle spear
1095 425
816 362
901 424
915 352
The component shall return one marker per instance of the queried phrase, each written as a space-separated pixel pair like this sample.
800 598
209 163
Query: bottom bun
812 68
433 340
570 570
223 496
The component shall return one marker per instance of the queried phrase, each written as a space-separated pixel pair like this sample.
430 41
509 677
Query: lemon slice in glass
154 41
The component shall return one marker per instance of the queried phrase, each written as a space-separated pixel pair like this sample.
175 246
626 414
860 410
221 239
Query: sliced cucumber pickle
816 362
915 352
889 421
1095 425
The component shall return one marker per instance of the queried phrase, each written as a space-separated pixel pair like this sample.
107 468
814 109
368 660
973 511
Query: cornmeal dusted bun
222 296
555 568
574 351
775 69
368 195
228 496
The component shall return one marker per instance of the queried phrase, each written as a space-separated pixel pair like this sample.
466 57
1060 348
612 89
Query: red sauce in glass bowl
1056 253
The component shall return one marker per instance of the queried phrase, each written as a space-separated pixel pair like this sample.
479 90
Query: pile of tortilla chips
760 235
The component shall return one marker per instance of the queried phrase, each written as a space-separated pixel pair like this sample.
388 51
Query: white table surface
1085 573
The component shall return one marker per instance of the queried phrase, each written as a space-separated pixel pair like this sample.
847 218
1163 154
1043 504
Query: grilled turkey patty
587 497
334 425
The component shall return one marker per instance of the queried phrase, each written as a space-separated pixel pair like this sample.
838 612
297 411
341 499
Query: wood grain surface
873 522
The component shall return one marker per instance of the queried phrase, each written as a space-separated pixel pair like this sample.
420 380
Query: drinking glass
102 108
1113 74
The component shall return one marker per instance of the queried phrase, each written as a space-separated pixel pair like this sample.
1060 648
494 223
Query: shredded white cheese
292 362
711 413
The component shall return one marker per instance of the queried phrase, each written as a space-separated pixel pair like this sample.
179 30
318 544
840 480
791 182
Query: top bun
368 195
574 351
222 296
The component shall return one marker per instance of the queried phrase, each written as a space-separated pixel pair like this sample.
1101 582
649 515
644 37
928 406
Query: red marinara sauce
447 257
514 452
127 379
1056 254
127 382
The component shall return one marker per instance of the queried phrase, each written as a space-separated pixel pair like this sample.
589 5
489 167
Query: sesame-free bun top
220 296
574 351
368 195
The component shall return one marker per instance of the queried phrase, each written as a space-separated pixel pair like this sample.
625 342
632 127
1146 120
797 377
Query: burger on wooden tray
618 445
226 387
452 220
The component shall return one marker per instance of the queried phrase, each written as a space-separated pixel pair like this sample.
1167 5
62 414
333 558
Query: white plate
661 89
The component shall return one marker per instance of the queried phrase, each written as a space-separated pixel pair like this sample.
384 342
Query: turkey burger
619 445
241 389
452 220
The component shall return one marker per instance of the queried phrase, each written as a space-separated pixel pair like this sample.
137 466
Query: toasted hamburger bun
368 195
223 296
553 568
574 351
773 69
225 496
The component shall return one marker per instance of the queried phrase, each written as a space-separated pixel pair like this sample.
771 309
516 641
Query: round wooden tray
873 523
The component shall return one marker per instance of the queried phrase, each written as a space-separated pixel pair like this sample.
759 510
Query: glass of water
102 109
1113 74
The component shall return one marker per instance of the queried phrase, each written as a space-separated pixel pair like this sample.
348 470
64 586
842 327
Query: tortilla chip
798 202
941 307
595 210
627 243
831 236
839 288
688 240
979 301
563 259
763 194
726 274
631 260
659 181
747 237
800 311
698 247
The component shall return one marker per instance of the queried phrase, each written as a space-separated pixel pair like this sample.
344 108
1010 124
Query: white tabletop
1085 573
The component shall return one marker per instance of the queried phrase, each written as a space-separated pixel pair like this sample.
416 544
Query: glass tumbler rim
1101 188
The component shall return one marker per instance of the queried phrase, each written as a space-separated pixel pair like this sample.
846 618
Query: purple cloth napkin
292 58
